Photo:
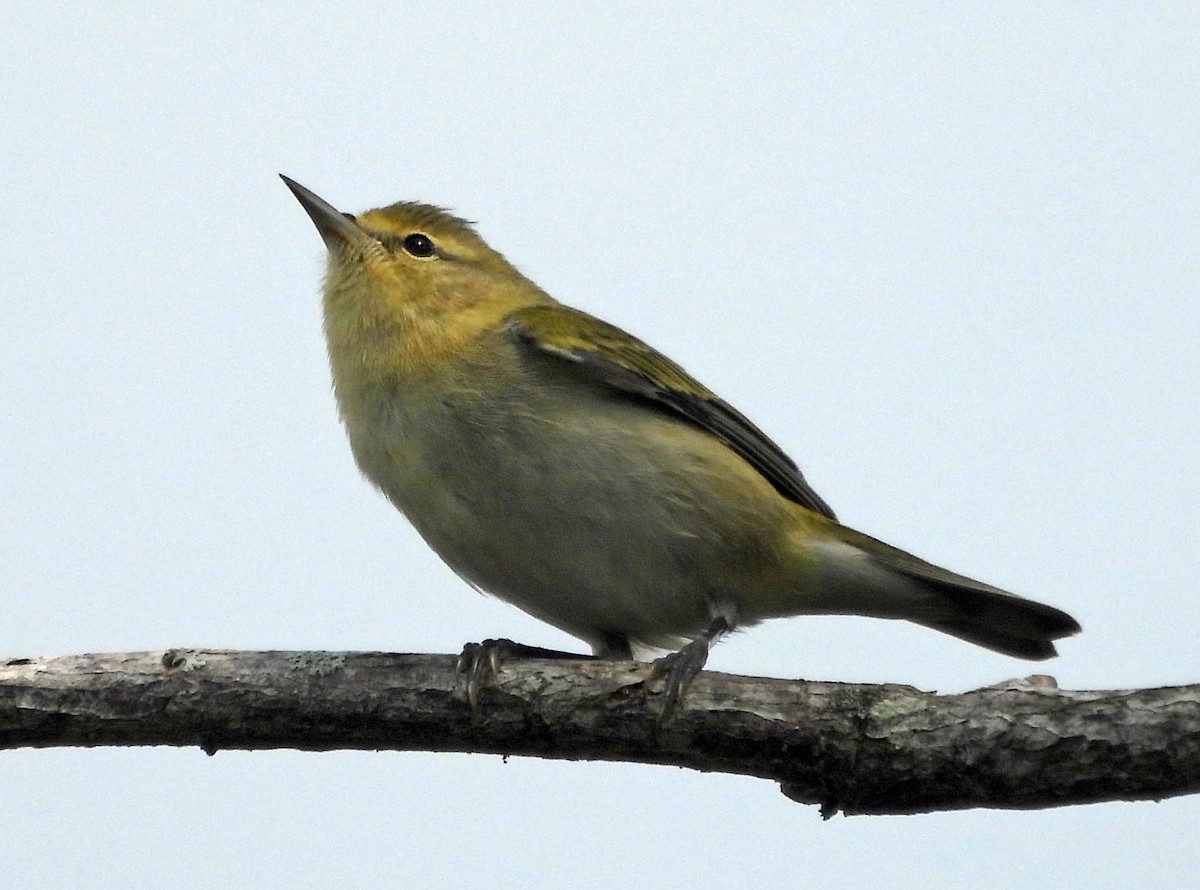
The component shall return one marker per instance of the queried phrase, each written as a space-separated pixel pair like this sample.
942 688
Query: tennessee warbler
565 466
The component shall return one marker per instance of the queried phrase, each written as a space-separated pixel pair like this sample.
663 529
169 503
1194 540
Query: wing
627 364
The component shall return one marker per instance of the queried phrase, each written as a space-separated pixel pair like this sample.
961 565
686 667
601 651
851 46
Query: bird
557 462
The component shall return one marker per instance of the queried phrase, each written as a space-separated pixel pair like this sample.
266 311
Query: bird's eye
419 245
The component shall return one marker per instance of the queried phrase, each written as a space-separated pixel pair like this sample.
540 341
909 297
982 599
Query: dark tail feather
1000 621
973 611
960 606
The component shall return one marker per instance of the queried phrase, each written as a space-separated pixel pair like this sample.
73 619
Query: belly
625 521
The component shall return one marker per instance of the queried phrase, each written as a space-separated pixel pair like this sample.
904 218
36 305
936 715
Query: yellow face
409 288
424 232
415 236
419 258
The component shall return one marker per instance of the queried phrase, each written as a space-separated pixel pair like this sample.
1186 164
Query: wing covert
627 364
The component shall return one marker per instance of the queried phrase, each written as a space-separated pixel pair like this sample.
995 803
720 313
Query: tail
888 582
996 619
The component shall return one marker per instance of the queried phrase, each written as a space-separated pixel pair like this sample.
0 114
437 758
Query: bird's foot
679 668
479 662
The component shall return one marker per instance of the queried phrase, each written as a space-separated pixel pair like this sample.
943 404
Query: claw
480 662
680 668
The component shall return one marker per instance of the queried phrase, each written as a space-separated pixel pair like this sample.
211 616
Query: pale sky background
945 254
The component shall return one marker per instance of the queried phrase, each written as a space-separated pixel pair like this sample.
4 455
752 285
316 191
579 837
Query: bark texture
848 748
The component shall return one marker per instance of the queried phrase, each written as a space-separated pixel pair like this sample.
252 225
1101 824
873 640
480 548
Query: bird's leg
680 668
612 646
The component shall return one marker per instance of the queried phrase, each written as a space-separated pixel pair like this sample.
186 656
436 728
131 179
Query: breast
579 512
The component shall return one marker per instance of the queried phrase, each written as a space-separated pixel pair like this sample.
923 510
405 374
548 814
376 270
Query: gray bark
847 747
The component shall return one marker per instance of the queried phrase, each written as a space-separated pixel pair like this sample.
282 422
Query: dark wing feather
627 364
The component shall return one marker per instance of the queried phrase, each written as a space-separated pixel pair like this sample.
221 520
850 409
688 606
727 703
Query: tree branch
849 748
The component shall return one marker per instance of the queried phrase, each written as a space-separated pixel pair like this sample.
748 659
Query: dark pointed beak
338 230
